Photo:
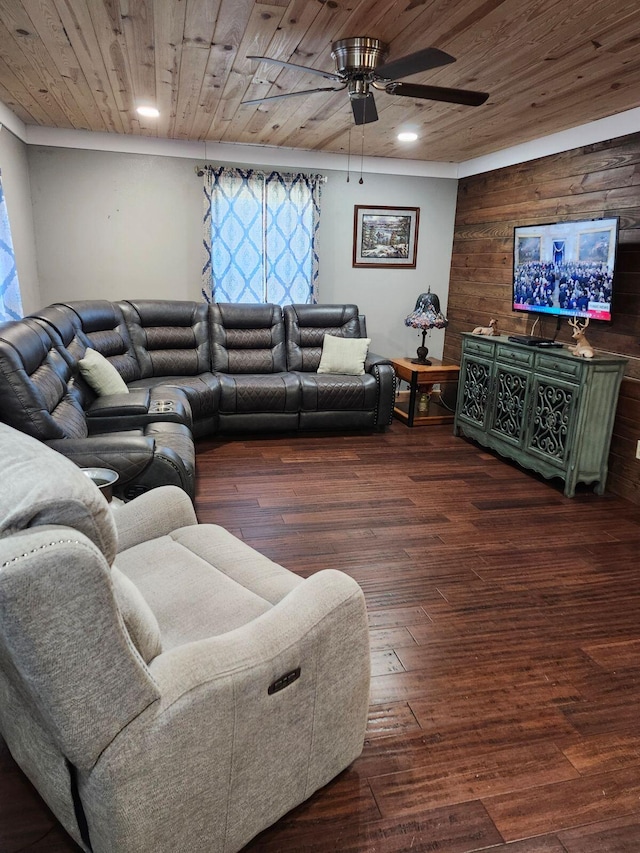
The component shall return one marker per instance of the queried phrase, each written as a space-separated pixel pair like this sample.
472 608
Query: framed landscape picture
385 236
527 249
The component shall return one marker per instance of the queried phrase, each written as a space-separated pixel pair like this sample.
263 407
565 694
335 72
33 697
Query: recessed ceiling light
148 112
407 136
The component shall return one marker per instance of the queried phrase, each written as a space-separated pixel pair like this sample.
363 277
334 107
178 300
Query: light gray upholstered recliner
142 699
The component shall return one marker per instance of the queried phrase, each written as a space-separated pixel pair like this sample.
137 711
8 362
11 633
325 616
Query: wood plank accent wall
590 182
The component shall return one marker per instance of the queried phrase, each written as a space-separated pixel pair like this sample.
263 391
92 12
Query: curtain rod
200 170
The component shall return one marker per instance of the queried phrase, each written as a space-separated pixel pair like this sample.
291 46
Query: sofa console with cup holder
128 385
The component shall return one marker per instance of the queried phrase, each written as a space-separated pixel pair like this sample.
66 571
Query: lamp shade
427 313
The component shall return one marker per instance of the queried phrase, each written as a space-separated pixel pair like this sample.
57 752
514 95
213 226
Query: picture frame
594 246
528 249
385 237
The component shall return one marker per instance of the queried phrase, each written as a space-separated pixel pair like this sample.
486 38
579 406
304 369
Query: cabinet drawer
568 367
515 356
478 346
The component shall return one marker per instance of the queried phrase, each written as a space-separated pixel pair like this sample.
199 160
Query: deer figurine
491 329
582 346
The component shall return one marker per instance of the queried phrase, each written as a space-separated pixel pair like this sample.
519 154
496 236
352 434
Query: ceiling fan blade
293 94
328 75
364 109
438 93
413 63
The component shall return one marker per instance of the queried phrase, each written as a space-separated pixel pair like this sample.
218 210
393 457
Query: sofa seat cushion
259 392
232 583
337 392
202 391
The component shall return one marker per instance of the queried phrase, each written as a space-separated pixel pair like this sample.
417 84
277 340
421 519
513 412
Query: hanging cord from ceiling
349 156
361 181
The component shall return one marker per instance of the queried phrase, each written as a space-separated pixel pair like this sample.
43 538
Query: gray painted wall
119 226
15 181
386 296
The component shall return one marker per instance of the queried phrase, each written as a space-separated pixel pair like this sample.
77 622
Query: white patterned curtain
10 299
260 236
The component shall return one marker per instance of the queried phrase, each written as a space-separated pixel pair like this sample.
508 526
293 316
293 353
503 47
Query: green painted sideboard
547 409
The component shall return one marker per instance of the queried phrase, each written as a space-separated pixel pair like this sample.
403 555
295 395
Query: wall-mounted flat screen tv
565 268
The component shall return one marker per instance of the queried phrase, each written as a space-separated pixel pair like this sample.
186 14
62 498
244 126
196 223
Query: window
260 236
10 300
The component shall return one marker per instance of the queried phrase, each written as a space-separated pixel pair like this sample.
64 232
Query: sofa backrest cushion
38 394
103 329
95 324
169 338
306 326
247 338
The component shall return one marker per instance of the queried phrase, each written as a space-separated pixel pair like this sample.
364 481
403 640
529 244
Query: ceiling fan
361 67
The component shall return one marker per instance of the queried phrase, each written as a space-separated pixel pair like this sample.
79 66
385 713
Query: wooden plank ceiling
547 64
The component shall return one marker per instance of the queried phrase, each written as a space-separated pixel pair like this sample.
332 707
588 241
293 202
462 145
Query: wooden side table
424 376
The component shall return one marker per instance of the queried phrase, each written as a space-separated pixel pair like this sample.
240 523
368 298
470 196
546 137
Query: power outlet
638 449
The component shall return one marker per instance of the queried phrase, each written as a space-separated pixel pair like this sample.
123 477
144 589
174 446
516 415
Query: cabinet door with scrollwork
551 423
475 381
510 401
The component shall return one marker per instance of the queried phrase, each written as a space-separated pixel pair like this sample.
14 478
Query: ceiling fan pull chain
361 181
349 156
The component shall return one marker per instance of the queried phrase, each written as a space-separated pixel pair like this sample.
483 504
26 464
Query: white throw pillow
343 355
101 374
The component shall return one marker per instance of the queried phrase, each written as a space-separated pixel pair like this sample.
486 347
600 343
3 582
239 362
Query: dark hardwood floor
505 635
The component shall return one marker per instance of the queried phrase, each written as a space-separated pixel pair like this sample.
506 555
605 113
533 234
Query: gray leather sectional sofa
192 370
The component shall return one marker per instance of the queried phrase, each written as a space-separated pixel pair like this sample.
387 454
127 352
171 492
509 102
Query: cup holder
104 478
160 406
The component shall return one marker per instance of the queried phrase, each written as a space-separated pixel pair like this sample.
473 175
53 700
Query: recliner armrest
382 369
373 359
328 608
153 514
139 408
129 455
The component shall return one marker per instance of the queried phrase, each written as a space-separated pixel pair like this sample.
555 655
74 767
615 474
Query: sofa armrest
140 407
129 455
136 402
382 369
372 359
152 514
